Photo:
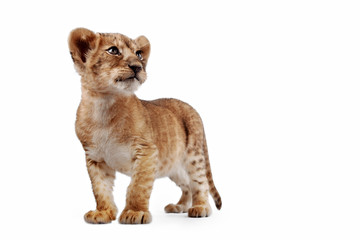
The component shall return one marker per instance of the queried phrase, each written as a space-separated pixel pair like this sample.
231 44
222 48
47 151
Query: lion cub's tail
213 191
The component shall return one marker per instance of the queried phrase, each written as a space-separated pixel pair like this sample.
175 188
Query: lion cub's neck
107 109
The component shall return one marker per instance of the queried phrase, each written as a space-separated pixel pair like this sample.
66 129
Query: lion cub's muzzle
136 68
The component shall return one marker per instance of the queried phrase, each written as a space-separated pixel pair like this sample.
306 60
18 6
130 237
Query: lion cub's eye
138 54
113 50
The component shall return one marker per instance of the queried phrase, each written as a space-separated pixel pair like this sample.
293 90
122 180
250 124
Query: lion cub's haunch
142 139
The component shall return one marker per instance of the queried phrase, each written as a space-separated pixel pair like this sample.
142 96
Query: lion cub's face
109 63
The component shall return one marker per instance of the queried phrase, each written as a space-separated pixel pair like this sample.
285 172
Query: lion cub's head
109 63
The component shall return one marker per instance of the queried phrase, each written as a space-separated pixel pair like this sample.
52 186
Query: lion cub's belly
105 148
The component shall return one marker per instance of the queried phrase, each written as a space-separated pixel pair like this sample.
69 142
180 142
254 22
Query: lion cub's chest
104 144
105 148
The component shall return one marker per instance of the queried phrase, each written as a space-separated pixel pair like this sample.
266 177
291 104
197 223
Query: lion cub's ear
144 45
81 41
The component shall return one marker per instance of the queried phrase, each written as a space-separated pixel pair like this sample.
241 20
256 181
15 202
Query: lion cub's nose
135 68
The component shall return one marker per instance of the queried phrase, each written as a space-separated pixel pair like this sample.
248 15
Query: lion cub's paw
100 217
135 217
199 211
175 208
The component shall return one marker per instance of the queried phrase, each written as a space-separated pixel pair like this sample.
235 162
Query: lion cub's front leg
136 210
102 180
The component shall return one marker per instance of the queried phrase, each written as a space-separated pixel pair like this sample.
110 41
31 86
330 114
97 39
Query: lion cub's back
186 115
182 110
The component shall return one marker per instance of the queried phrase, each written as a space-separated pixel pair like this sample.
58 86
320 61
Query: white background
277 85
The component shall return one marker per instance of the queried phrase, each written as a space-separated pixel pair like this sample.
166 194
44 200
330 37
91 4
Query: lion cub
142 139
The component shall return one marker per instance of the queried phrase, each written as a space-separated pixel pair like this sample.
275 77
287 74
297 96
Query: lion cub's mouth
119 79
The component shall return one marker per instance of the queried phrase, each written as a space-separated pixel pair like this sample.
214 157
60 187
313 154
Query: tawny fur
142 139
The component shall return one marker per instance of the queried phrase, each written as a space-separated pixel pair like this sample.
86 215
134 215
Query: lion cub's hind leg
196 168
182 180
